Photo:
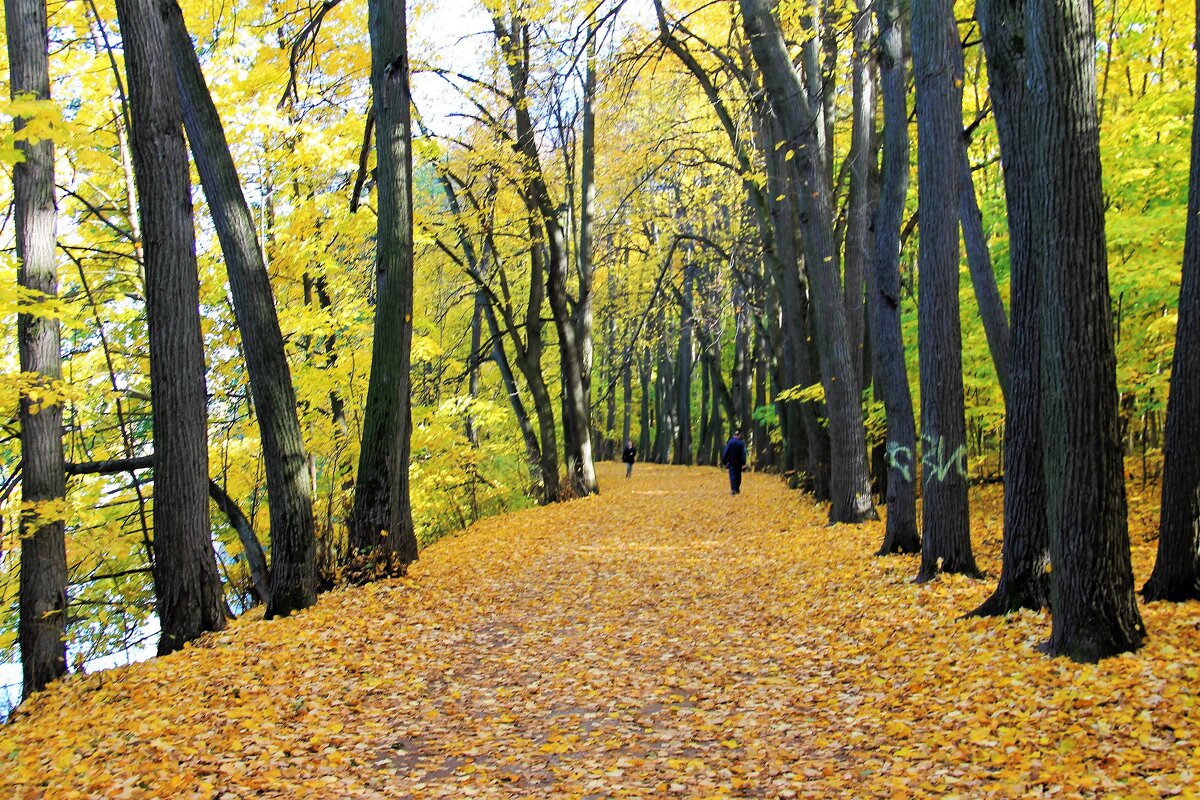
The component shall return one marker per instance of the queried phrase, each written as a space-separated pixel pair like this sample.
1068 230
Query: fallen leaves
662 639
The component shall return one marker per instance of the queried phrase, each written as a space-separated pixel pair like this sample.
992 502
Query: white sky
452 34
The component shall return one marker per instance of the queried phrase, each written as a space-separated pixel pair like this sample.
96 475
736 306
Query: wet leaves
663 639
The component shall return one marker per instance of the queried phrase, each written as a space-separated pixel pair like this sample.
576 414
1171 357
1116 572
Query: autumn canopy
326 324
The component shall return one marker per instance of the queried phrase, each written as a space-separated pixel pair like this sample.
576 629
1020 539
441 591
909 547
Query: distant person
629 455
733 458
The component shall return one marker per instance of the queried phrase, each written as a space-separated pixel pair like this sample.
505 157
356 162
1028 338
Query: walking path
661 640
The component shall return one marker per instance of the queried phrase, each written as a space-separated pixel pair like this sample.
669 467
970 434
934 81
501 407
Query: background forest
664 300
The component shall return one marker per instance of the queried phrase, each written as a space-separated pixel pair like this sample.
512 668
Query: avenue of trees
903 246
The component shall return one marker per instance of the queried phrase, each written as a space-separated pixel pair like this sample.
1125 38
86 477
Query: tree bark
41 628
514 44
587 205
260 577
474 360
1176 574
627 403
850 490
946 546
289 492
1024 580
187 585
883 292
983 278
664 397
381 521
1094 611
646 377
683 394
862 153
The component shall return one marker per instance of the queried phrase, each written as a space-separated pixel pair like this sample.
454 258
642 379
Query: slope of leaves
662 639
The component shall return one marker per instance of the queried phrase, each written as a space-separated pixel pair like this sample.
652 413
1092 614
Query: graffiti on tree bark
938 461
900 458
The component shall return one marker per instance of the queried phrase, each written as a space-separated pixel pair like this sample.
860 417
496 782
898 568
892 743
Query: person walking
733 458
629 455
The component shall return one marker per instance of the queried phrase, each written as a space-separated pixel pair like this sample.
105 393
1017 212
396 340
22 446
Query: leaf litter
660 640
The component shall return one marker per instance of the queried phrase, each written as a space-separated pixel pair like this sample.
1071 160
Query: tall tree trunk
474 361
627 402
702 449
1176 574
587 205
983 278
529 361
797 421
1024 581
741 378
862 153
946 546
187 585
850 490
883 293
806 442
713 446
664 401
764 449
43 583
683 393
576 401
1094 611
381 521
646 378
289 492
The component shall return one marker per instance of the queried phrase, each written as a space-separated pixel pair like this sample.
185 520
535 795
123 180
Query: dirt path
661 640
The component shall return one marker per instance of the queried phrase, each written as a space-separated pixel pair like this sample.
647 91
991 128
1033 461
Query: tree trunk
1024 581
473 363
764 448
850 490
806 442
187 585
43 581
706 392
946 546
741 378
260 576
798 421
665 402
587 204
381 521
646 378
883 293
576 402
627 402
1094 611
529 361
862 153
293 542
983 278
1176 574
683 393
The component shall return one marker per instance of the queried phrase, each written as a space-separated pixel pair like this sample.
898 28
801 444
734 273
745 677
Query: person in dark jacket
629 455
733 458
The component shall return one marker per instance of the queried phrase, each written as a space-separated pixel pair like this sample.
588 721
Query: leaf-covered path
663 639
